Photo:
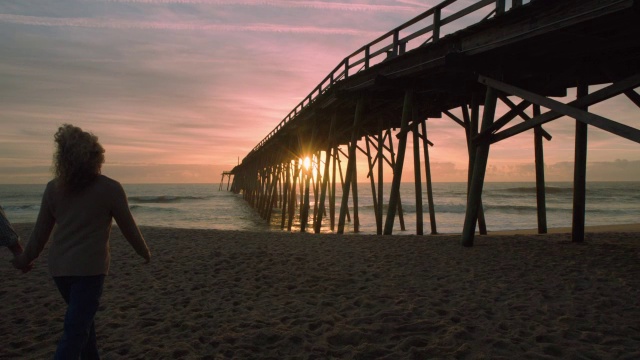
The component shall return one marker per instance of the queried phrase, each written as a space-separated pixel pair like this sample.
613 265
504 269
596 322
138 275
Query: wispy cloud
284 4
108 23
416 3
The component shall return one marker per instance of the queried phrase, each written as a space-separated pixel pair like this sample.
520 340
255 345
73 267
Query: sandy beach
210 294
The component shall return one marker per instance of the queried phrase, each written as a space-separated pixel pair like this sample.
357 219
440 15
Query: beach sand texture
211 294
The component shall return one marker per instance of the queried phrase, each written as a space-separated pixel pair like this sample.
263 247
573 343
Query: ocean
508 206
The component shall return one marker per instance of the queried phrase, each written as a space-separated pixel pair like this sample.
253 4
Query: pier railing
397 42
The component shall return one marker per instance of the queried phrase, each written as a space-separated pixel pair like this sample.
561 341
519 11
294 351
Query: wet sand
210 294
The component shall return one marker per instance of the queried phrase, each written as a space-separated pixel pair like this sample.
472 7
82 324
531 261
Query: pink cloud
286 4
107 23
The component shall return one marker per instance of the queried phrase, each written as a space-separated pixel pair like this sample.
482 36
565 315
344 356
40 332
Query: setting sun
306 162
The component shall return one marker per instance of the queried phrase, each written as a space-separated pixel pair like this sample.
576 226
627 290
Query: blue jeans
82 295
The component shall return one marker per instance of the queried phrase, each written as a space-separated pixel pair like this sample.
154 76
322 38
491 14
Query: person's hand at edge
16 249
20 263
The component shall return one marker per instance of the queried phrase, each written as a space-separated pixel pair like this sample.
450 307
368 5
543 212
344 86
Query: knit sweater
80 241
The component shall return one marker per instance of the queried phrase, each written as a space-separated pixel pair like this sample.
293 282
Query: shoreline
216 294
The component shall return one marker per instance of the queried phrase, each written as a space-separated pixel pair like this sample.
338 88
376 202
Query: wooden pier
524 55
226 174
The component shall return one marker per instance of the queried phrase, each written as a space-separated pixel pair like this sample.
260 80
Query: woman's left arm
39 236
127 224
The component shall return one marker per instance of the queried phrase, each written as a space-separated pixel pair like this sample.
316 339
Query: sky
180 90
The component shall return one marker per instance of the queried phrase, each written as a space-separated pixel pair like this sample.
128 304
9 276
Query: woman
81 203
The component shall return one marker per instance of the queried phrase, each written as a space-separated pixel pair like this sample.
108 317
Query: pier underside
524 58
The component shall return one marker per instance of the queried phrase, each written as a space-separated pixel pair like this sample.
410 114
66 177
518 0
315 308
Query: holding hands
19 260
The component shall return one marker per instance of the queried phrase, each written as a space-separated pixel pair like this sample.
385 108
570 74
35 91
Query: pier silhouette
454 62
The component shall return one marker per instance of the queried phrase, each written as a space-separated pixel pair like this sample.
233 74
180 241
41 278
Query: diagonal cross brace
571 109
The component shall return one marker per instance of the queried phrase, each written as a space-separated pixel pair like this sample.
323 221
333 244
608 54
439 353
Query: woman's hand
20 263
16 249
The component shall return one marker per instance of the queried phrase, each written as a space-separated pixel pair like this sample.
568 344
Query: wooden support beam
281 181
393 166
301 192
418 182
354 189
277 196
437 23
379 148
373 184
257 189
387 134
304 208
454 118
633 96
397 172
308 173
479 170
500 7
271 189
273 194
380 179
580 175
427 169
332 199
258 197
505 119
372 161
285 193
351 165
316 185
325 177
526 117
472 131
363 151
540 183
571 109
342 181
293 197
265 189
425 140
467 123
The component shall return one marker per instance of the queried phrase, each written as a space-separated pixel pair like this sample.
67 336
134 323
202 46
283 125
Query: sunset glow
182 90
306 162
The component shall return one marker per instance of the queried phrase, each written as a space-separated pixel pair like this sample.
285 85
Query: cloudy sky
179 90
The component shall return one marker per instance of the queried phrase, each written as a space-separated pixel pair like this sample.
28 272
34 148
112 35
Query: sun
306 163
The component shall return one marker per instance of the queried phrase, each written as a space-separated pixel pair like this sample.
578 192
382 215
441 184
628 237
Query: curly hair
78 159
